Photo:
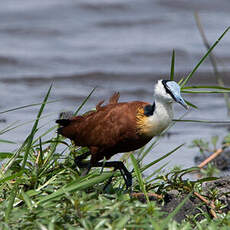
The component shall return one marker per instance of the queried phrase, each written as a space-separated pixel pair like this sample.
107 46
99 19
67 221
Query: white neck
163 110
161 118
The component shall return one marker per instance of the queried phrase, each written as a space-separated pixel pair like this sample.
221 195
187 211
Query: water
115 45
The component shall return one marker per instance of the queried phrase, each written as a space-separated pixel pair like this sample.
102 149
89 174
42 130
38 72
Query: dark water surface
115 45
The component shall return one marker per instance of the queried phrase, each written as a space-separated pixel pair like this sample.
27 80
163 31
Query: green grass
40 187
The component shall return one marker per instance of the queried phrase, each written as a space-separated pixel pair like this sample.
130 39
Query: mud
195 207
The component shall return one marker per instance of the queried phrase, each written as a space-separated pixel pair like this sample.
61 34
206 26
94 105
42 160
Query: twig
211 204
207 202
151 194
210 158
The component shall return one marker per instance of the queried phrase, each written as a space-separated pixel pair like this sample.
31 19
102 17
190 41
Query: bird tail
63 123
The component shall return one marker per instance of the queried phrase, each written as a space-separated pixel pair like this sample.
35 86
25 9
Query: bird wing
107 126
113 100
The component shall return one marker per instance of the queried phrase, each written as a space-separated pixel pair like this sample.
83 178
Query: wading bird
121 126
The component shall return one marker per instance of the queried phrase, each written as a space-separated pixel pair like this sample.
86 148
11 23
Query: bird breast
153 125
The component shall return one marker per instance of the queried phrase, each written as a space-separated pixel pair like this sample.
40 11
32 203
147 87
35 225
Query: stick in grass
210 158
141 194
207 202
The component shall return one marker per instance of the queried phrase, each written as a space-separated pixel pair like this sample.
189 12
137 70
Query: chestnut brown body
110 129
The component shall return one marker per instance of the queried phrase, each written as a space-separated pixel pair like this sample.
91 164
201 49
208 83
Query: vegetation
40 187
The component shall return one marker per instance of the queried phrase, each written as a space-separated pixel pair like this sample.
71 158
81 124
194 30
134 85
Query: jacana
121 126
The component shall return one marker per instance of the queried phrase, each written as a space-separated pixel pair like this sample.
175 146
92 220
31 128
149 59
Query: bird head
169 91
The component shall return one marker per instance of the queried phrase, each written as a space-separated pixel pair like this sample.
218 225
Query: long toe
128 181
108 183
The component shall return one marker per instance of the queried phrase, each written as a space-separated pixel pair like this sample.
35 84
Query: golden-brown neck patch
153 125
143 126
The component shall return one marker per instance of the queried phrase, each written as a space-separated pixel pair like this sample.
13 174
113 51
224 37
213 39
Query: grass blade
12 177
139 178
203 121
206 87
203 58
27 200
33 131
76 185
11 127
122 222
8 127
11 202
172 66
15 156
161 158
83 103
45 133
212 59
7 141
190 104
4 155
150 177
205 91
147 151
25 106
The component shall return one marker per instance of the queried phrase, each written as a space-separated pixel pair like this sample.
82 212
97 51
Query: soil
194 206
